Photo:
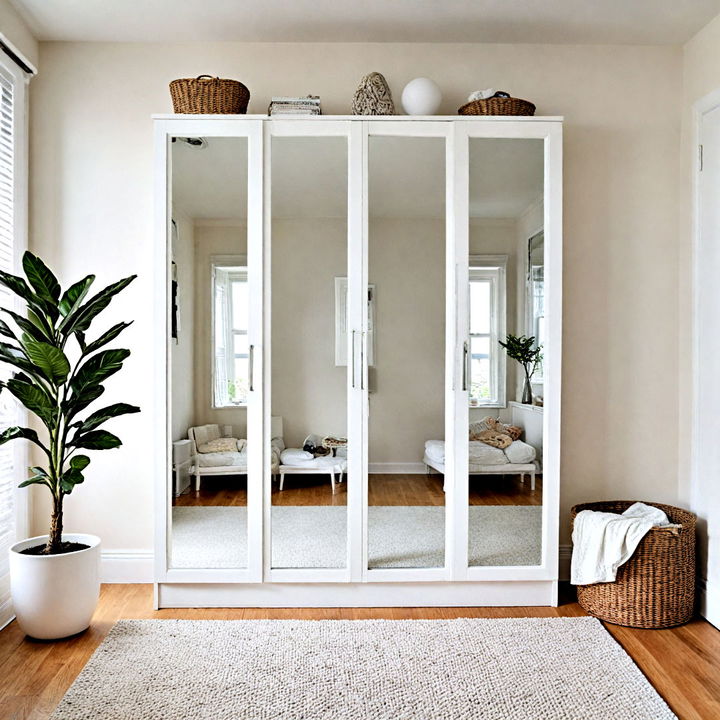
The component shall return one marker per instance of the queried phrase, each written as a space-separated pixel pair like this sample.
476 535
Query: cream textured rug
399 536
467 669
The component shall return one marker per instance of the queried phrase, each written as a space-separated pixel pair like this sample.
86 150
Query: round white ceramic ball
421 96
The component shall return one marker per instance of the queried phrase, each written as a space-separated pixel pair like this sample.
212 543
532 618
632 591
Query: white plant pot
55 596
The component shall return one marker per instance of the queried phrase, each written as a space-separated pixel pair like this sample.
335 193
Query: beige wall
16 32
92 199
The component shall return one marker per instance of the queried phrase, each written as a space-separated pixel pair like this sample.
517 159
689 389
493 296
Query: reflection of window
487 326
230 335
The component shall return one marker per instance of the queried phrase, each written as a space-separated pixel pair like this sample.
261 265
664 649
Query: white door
706 450
210 284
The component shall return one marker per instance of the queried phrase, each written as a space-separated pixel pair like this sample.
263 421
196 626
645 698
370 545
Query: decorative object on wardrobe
498 104
373 96
308 105
207 95
421 96
655 588
524 351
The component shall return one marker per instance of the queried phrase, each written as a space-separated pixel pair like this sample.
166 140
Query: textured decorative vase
527 392
55 596
421 96
373 96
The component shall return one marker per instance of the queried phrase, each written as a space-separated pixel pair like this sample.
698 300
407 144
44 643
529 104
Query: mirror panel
209 353
406 352
505 435
309 371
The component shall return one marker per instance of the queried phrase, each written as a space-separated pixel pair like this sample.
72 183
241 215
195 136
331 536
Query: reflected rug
399 536
474 669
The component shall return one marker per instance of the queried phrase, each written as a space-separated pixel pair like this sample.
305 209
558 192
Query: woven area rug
399 536
467 669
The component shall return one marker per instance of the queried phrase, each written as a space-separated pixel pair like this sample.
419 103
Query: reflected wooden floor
681 663
383 489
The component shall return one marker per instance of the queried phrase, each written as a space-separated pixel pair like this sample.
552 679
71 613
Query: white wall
91 198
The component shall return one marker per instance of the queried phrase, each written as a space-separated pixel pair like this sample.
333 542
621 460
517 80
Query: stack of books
309 105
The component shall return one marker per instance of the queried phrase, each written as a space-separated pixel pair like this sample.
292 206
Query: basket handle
209 77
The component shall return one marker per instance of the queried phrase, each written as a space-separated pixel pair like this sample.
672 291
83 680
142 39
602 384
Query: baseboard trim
136 566
126 566
396 468
564 556
709 602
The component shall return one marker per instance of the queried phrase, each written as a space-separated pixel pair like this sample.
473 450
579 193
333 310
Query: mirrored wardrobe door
310 361
405 351
505 343
210 352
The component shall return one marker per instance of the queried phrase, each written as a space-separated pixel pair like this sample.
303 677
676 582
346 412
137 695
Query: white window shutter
12 241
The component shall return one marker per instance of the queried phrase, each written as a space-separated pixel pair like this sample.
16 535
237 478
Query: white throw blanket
603 541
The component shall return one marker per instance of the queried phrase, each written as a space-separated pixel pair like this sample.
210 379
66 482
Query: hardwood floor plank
681 663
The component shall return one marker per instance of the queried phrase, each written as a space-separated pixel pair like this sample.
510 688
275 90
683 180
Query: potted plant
55 578
528 354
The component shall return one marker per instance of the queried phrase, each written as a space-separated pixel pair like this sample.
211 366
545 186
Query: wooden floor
683 663
393 489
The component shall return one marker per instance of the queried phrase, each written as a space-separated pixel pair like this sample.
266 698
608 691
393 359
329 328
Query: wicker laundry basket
655 588
498 106
207 95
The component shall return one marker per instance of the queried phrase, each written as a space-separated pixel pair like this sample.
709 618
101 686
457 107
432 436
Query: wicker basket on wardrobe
207 95
655 588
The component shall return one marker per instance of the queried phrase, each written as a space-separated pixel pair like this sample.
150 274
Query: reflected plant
57 382
525 351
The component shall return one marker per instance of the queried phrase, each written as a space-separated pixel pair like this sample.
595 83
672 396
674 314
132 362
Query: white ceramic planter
54 596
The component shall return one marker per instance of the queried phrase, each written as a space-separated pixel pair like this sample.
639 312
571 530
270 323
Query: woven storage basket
655 588
207 95
498 106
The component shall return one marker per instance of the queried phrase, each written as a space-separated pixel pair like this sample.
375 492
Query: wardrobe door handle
362 361
465 367
352 352
251 367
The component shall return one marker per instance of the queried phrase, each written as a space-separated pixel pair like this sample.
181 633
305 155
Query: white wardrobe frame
455 584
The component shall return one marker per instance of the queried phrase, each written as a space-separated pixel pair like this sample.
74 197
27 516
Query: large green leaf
32 325
74 295
79 320
69 479
49 359
16 357
17 433
41 278
104 339
80 462
96 369
100 416
77 402
18 286
34 398
6 331
39 476
96 440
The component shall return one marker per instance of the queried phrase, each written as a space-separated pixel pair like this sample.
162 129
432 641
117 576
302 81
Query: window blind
9 411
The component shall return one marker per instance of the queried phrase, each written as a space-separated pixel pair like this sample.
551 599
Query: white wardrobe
353 277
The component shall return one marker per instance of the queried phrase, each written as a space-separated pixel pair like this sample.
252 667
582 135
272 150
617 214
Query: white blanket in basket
603 541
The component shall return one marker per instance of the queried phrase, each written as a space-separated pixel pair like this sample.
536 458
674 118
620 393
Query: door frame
352 133
164 130
709 596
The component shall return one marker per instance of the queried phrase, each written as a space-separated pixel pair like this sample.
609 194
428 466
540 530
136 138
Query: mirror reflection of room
209 353
309 368
406 265
506 335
